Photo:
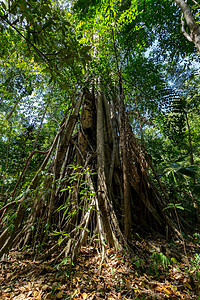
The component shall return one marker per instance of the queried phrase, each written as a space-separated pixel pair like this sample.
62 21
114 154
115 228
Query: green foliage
44 31
159 30
144 78
61 269
159 260
195 262
179 174
162 259
139 263
197 237
175 123
79 194
174 206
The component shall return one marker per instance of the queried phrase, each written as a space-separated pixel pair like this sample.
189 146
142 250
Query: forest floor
149 272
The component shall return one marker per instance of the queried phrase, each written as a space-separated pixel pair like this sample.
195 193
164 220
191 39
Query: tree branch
196 3
188 37
190 21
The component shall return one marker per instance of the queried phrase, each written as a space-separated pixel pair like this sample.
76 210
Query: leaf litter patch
151 272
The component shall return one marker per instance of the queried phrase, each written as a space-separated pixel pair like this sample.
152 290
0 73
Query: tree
95 175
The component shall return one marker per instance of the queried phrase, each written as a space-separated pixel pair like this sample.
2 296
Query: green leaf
45 9
197 189
172 205
60 240
3 5
188 171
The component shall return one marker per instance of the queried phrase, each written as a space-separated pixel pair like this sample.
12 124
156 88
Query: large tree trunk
103 195
72 201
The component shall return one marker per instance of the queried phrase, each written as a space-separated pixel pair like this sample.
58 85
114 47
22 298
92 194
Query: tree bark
101 185
124 136
125 168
